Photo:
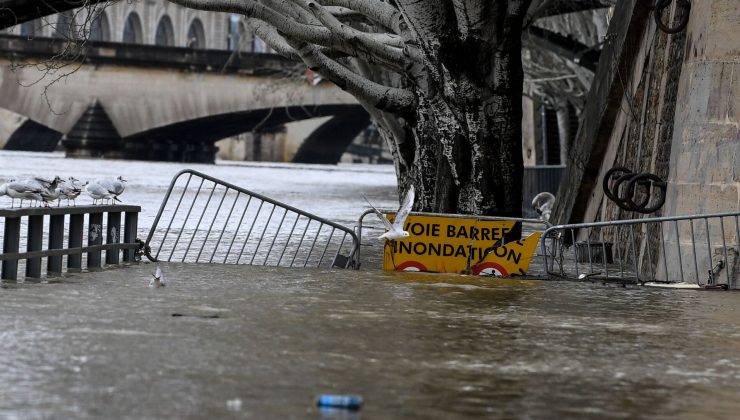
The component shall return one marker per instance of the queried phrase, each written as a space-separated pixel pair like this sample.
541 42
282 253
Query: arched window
100 28
244 39
196 35
31 29
165 36
65 27
132 33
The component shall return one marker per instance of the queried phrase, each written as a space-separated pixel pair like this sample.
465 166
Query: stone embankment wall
665 104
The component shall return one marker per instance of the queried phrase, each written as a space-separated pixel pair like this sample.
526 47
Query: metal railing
700 249
528 227
56 229
204 219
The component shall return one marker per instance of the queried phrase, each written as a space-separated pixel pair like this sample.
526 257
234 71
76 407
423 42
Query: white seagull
69 192
395 230
114 185
158 279
97 192
27 189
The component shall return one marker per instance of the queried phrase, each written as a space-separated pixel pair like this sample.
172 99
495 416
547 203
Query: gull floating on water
158 279
395 230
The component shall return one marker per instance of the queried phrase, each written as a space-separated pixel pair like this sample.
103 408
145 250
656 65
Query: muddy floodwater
225 341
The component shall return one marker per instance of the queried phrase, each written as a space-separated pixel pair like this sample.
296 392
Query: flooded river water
225 341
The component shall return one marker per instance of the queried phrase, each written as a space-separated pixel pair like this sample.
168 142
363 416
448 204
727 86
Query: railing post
56 241
94 237
129 234
76 226
34 239
113 228
11 243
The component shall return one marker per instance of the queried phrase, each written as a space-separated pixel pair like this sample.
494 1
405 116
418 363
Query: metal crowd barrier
700 249
204 219
57 229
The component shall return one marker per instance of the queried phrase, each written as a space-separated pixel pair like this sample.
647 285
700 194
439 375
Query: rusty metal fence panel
205 220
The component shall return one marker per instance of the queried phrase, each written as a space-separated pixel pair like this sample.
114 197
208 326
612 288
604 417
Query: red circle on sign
489 268
411 266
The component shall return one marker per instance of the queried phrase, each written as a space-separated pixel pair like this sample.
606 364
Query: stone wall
667 105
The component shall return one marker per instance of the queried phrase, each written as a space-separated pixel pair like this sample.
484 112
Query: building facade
147 22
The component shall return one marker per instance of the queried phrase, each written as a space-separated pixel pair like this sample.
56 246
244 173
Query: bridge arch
132 29
32 28
65 27
165 34
100 28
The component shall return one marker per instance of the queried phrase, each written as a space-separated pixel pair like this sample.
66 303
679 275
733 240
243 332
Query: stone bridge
164 103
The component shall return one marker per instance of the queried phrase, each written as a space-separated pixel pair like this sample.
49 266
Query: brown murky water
262 343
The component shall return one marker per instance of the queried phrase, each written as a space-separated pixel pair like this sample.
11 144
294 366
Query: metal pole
246 240
709 250
680 257
76 226
298 248
665 256
262 235
11 244
223 229
113 228
94 237
35 238
693 249
130 227
724 248
277 232
56 241
236 232
200 219
161 210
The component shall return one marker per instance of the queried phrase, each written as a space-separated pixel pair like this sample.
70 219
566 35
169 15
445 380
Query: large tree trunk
461 148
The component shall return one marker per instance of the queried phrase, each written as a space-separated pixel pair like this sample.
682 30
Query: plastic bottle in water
352 402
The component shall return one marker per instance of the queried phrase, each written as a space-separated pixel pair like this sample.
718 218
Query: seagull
25 190
395 230
97 192
158 279
69 192
542 203
114 186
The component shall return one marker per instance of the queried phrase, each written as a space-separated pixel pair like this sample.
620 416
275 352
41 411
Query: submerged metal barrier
54 229
697 248
204 219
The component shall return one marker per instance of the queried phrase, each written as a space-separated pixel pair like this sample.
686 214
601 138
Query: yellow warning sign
459 245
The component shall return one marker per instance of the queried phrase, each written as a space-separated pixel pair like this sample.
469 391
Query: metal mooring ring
624 195
657 9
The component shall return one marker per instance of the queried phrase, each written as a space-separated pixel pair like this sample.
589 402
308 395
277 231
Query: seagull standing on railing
115 186
97 192
69 192
158 279
395 230
27 189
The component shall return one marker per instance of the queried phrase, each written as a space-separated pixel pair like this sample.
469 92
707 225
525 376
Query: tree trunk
462 147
